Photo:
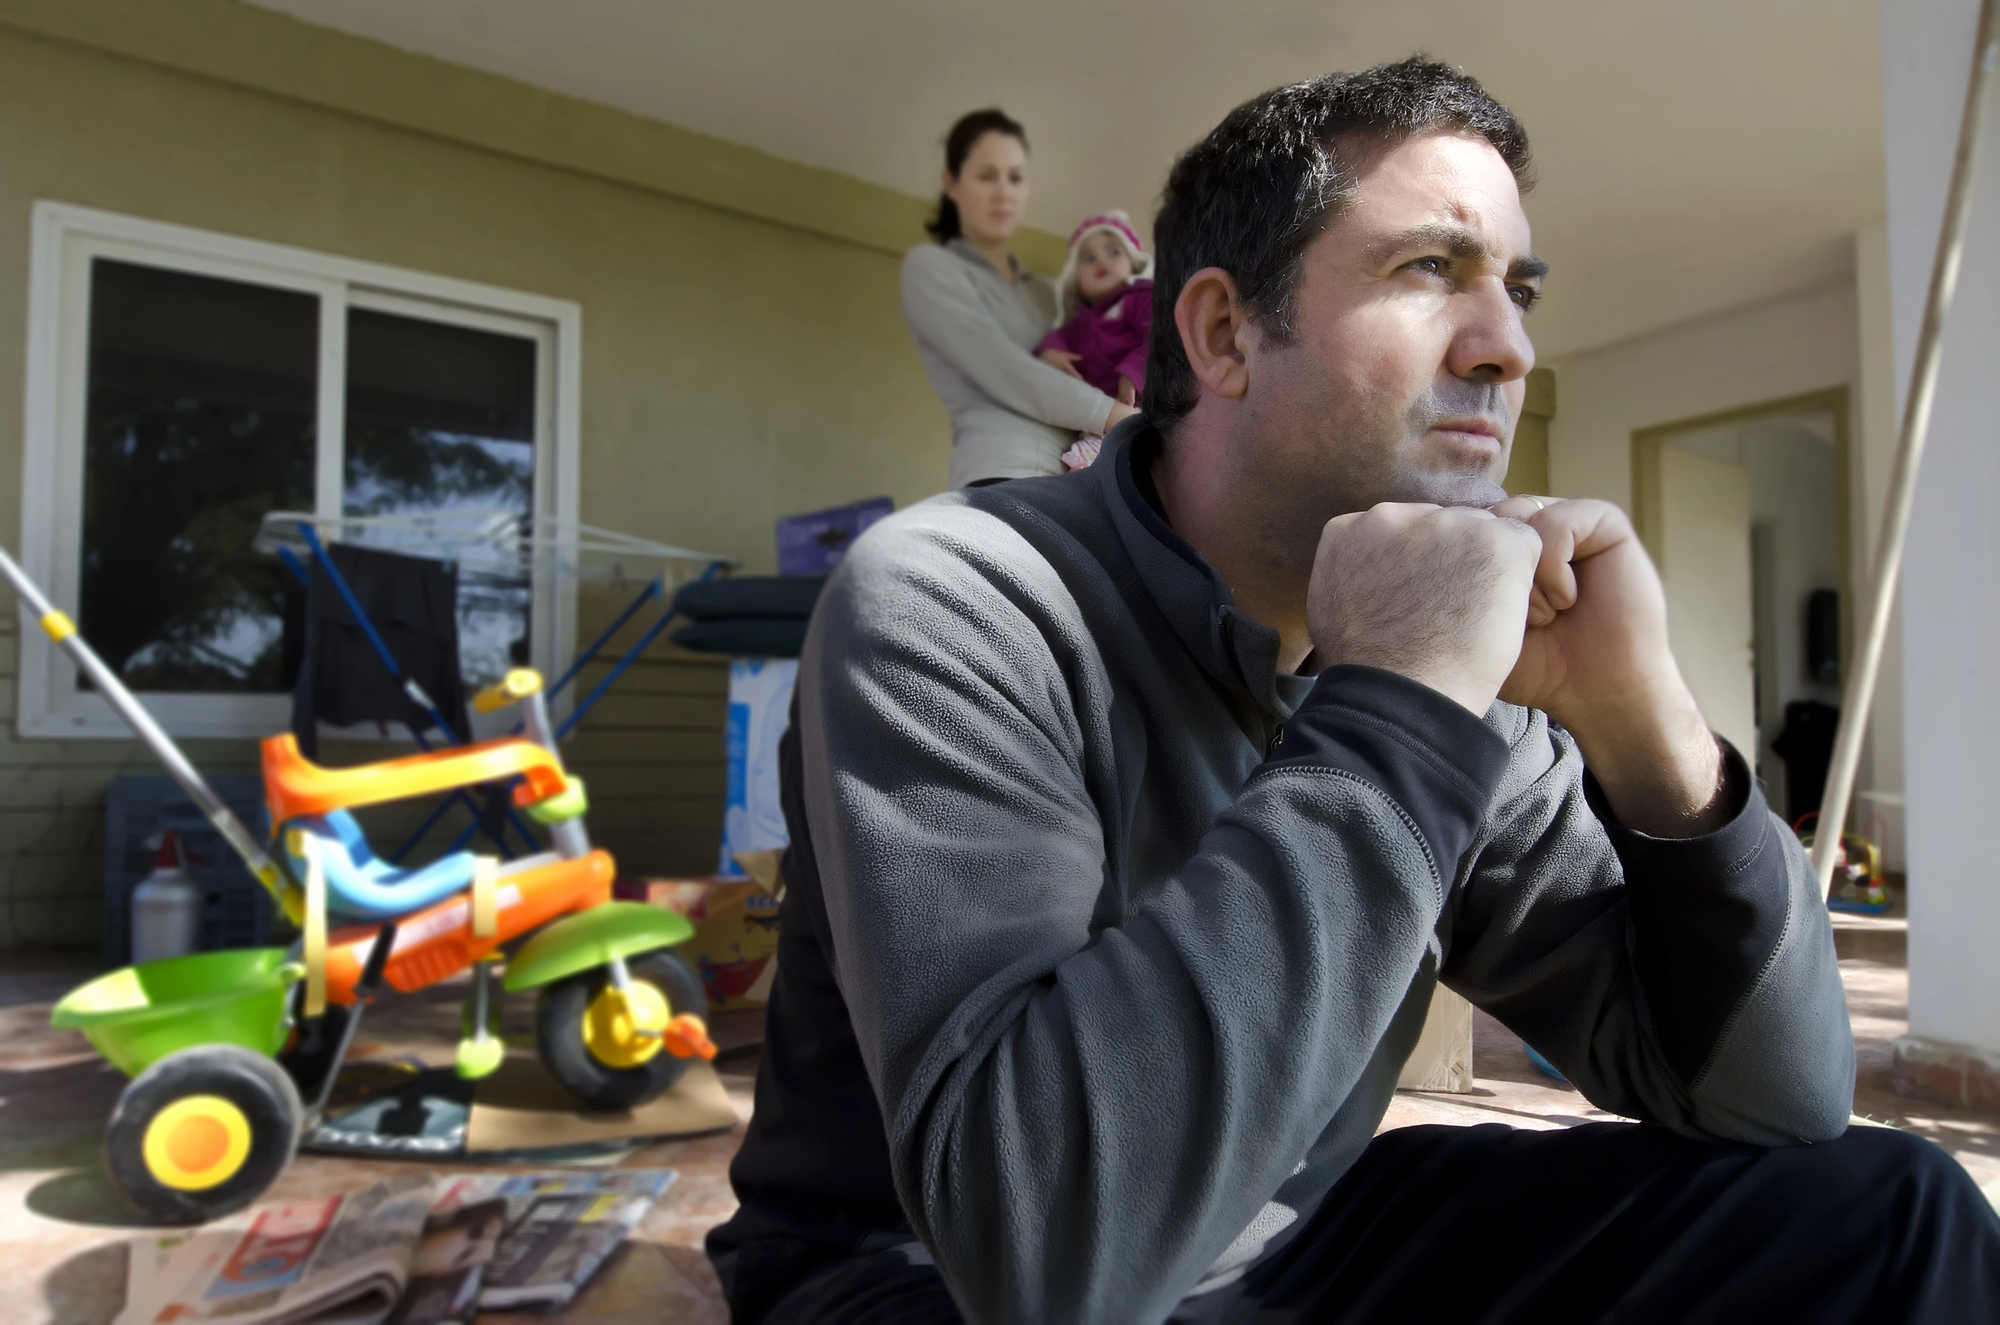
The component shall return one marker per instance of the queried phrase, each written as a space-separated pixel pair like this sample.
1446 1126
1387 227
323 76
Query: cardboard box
735 943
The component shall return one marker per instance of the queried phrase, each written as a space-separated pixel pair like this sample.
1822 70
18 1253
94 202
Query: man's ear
1213 327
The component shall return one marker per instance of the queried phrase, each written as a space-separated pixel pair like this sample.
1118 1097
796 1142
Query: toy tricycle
224 1047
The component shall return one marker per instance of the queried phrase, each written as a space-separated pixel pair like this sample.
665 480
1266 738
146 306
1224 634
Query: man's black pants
1605 1221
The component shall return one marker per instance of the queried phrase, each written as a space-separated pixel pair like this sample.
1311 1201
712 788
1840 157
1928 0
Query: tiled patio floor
62 1236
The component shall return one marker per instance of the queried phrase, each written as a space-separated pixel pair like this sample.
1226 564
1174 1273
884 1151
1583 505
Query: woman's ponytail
958 144
944 225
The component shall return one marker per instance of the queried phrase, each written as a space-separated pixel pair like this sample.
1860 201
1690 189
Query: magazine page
560 1228
449 1267
327 1260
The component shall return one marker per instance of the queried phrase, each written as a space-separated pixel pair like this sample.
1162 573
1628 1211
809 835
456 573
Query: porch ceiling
1694 156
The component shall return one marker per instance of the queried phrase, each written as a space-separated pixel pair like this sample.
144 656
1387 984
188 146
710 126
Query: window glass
442 418
198 419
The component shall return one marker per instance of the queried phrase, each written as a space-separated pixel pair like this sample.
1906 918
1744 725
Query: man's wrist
1659 764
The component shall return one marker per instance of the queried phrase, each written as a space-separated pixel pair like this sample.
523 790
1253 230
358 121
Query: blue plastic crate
813 544
239 911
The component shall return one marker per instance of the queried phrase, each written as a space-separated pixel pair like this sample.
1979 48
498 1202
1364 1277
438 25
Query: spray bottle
167 906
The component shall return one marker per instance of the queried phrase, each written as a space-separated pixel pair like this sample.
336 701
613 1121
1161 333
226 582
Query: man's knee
1892 1153
1891 1169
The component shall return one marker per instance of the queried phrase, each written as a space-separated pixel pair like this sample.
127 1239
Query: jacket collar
972 255
1232 647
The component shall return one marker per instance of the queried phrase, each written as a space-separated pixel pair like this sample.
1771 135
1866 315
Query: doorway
1745 514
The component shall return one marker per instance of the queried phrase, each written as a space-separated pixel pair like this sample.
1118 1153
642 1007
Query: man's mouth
1477 427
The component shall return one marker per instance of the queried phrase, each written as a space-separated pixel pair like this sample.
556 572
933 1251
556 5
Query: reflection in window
442 418
198 419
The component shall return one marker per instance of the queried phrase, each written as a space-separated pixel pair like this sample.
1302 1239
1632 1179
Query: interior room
1756 537
433 435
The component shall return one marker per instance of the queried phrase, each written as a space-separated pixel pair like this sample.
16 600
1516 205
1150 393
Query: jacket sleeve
1055 340
1139 307
1690 983
943 310
1083 1114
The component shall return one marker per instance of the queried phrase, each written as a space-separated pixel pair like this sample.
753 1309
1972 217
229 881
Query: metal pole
59 628
655 587
631 655
1860 692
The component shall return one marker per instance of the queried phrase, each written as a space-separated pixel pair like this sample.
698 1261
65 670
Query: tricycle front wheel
202 1133
610 1055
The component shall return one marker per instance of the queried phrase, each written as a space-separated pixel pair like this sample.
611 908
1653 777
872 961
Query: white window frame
66 239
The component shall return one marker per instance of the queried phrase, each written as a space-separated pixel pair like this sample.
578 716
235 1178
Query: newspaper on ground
410 1251
330 1260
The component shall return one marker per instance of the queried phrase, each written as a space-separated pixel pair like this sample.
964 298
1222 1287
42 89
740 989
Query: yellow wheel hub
615 1030
196 1143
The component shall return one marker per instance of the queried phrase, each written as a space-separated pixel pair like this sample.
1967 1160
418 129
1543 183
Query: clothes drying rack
501 548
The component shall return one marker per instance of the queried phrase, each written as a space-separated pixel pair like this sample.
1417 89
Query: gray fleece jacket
1104 943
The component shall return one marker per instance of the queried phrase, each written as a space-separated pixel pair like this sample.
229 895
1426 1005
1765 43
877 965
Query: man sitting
1136 814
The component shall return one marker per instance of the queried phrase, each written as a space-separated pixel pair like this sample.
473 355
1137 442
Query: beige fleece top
1012 415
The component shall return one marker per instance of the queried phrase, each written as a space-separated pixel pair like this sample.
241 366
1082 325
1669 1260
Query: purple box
812 544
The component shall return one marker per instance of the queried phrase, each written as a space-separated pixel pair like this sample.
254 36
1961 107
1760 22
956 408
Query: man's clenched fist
1436 593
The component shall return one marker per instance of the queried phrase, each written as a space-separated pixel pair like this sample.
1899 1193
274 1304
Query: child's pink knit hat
1115 222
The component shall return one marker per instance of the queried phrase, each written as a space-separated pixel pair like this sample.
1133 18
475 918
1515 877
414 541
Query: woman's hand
1063 360
1127 393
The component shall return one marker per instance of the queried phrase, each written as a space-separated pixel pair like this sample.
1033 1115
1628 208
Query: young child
1105 314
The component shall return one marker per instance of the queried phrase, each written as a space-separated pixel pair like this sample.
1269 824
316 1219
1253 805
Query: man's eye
1526 296
1434 266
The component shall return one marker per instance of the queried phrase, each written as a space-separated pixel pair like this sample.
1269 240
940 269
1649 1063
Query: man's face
1407 370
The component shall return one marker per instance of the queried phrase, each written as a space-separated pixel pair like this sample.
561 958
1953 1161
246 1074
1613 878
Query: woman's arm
942 306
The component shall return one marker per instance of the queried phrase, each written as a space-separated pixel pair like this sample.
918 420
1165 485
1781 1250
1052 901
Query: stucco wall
1722 363
1950 629
739 361
1740 359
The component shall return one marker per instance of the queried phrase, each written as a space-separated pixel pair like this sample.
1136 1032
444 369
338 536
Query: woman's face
991 188
1102 265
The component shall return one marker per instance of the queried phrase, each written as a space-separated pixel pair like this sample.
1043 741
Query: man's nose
1490 345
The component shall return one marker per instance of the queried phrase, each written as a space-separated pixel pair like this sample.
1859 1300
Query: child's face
1102 265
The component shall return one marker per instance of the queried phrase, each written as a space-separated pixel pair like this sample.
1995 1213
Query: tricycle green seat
137 1015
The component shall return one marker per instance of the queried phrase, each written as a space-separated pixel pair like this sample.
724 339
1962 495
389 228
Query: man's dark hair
958 144
1254 194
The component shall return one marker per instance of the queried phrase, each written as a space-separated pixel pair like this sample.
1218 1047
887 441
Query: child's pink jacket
1112 338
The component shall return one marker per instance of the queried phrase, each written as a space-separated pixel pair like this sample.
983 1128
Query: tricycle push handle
59 628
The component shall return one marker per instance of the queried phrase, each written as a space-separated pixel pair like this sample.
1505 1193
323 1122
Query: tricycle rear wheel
202 1133
596 1067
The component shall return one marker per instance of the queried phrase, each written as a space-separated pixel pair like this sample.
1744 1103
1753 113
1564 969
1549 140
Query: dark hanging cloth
1806 745
747 597
413 603
745 637
748 616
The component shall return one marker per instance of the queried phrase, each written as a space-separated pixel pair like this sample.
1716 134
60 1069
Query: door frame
1646 444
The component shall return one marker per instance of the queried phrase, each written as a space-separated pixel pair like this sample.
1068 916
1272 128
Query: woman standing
976 314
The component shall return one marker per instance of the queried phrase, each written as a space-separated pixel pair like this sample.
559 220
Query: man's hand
1596 659
1437 593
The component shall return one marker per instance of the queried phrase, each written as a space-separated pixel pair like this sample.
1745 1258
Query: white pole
1860 694
59 628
